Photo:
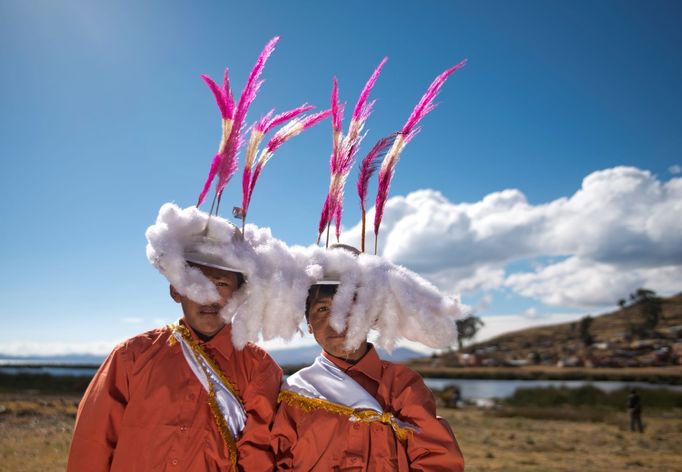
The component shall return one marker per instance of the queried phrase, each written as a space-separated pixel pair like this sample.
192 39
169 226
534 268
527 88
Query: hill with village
646 331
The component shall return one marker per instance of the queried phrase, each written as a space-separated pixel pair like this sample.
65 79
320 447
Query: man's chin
208 327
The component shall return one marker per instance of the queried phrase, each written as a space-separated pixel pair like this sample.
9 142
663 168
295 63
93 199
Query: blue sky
103 118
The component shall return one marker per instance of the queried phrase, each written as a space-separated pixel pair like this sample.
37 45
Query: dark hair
318 291
241 280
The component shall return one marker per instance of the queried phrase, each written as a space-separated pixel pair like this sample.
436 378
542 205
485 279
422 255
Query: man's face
331 341
206 319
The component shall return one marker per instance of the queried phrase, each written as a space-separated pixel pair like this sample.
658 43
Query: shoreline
671 375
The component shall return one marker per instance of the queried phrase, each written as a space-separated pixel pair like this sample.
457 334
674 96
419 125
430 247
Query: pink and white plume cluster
344 151
224 164
293 125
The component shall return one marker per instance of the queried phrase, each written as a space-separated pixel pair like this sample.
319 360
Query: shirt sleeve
284 436
434 447
260 401
99 416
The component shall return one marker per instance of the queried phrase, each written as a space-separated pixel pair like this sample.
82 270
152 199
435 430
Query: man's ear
310 328
175 295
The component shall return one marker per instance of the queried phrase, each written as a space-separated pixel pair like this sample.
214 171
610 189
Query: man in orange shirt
351 410
183 397
196 396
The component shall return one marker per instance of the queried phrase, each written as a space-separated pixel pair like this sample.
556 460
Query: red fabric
145 410
322 440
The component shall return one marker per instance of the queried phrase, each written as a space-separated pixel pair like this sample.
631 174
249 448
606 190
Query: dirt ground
35 432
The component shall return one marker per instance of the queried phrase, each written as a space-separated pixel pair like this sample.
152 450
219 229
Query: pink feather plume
337 109
294 127
267 123
426 104
219 94
369 166
409 130
362 108
224 164
345 149
253 83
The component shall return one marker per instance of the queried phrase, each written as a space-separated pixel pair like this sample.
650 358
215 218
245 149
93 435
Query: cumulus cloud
502 324
675 169
621 230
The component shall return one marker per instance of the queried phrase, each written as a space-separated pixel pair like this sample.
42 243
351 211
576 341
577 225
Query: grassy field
35 431
491 442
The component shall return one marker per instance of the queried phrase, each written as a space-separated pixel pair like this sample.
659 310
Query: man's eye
323 309
223 284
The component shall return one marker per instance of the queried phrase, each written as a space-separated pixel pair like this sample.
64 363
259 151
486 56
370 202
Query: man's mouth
209 310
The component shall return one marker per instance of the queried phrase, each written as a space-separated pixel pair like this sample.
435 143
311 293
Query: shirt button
183 427
174 462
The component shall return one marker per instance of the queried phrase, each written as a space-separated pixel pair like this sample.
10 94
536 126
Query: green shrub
590 396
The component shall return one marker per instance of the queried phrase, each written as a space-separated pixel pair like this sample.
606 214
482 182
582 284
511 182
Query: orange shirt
326 441
146 411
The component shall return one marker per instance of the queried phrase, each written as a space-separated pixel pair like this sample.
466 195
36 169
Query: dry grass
35 432
517 444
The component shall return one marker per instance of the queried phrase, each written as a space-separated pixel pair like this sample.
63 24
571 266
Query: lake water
470 389
488 389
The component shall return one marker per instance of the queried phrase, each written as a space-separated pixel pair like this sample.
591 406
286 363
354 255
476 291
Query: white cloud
501 324
585 283
675 169
621 230
56 348
483 304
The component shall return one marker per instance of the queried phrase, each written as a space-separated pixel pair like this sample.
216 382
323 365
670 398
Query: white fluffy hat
277 279
375 294
182 235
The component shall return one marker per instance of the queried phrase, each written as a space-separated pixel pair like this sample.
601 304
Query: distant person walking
635 410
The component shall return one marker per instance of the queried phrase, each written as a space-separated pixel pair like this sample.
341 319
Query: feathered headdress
374 293
187 235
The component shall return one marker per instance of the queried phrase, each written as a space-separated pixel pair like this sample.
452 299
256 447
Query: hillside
614 339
